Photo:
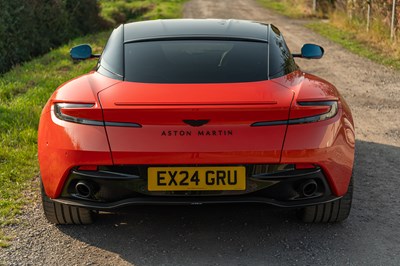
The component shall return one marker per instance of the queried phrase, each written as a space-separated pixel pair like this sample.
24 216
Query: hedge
30 28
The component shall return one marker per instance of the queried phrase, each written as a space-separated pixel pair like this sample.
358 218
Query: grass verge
289 8
351 34
120 11
23 92
349 41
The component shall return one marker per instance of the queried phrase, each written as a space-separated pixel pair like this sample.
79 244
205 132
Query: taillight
306 112
332 111
87 114
78 113
88 168
300 166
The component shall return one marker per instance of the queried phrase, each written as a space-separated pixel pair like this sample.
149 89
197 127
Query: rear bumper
102 206
112 190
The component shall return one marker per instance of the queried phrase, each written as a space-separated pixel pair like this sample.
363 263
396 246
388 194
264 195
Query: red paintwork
329 143
229 107
63 145
164 107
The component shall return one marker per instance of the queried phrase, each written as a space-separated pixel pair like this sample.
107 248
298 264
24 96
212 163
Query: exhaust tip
84 189
309 188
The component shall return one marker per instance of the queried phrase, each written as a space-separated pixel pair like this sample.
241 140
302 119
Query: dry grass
352 34
378 36
290 8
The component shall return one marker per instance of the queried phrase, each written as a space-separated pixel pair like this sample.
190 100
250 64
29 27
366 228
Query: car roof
195 28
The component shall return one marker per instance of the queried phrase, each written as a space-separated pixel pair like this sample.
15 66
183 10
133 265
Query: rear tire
58 213
331 212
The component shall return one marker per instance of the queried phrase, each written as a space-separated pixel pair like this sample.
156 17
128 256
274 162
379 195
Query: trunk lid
195 123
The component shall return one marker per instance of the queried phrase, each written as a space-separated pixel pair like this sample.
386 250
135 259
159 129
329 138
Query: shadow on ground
256 234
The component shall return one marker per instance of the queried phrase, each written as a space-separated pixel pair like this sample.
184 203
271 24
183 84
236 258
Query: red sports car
192 112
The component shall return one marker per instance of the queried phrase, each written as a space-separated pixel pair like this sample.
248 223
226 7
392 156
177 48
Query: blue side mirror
312 51
81 52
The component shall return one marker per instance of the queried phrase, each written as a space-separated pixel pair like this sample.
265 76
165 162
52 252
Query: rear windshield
196 61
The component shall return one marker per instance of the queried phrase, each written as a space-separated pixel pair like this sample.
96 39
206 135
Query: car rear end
197 120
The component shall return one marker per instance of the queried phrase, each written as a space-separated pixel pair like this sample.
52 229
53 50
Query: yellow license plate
196 178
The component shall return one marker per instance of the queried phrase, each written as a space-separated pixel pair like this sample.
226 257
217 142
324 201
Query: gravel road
252 234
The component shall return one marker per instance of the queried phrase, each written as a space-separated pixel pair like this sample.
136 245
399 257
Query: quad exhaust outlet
309 188
84 189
